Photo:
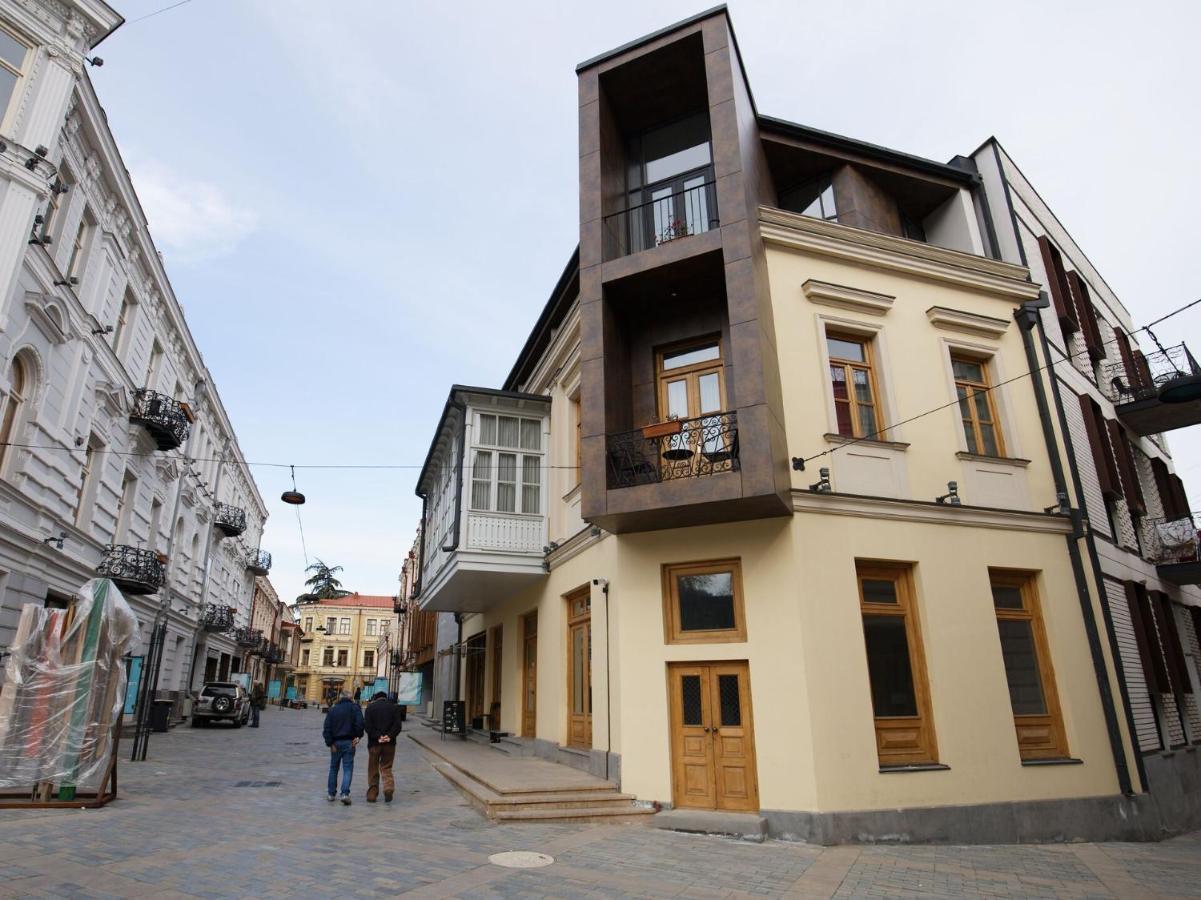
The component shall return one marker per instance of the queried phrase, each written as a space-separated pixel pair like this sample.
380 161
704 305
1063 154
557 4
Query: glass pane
1006 596
506 467
12 50
506 476
965 407
676 148
578 660
696 205
1021 668
867 421
506 498
966 370
690 699
988 434
662 209
688 357
843 349
838 379
888 666
980 401
531 434
970 436
731 703
843 412
481 475
506 431
879 590
829 211
8 81
706 601
814 209
677 399
863 385
487 430
683 161
710 390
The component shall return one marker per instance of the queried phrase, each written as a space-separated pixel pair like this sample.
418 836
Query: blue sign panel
135 681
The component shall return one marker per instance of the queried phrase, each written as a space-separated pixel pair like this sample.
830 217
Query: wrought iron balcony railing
259 562
1152 374
132 569
247 637
675 215
681 448
217 618
230 520
164 417
1167 541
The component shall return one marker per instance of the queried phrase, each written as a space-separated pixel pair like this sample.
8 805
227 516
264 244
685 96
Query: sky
361 203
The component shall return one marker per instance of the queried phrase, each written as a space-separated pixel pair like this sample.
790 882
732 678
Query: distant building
339 644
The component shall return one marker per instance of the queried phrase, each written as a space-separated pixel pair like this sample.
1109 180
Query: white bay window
507 455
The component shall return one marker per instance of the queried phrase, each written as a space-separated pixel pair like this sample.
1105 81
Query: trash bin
160 714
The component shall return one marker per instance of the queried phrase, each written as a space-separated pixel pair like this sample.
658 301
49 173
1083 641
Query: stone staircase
522 789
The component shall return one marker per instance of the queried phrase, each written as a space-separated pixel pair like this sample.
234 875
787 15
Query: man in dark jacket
343 728
258 702
383 725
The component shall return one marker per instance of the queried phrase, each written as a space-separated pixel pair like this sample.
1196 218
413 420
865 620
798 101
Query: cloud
191 220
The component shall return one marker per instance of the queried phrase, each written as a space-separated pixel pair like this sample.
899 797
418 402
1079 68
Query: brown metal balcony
1174 545
230 520
217 618
132 569
678 214
680 448
1157 392
166 419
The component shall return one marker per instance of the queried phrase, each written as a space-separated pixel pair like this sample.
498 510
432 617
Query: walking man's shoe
387 796
370 799
331 797
346 799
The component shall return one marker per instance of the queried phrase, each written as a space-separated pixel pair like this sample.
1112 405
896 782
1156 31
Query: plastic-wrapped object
64 689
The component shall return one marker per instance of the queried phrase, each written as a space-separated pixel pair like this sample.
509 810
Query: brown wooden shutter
1087 316
1098 441
1179 497
1130 484
1149 654
1058 285
1163 487
1170 634
1195 612
1134 372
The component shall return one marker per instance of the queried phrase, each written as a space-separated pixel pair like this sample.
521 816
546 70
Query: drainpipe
204 589
604 583
1028 318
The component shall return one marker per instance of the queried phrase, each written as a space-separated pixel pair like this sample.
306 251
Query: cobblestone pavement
218 812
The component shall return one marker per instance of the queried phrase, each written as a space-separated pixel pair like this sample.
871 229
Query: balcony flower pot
662 429
162 558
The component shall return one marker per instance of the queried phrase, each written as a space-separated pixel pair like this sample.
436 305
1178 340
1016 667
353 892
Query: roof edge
654 35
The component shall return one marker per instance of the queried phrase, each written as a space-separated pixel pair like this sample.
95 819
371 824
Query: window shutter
1098 441
1179 497
1195 612
1166 617
1163 487
1149 653
1130 484
1087 316
1134 372
1058 286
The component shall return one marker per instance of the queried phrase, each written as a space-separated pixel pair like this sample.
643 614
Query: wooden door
579 668
691 388
476 650
494 638
712 736
529 675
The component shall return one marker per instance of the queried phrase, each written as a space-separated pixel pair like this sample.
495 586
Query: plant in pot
669 426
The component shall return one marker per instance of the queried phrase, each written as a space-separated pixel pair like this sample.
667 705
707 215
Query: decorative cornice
895 254
928 513
970 323
49 317
824 293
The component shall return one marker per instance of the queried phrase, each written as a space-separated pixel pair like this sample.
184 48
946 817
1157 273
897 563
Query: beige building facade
339 641
770 515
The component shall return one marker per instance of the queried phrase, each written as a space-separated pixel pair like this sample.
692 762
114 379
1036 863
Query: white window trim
873 332
474 445
9 114
989 354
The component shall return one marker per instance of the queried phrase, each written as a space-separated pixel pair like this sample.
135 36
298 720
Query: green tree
324 585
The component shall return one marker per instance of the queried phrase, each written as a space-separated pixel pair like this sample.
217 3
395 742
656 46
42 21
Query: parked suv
222 700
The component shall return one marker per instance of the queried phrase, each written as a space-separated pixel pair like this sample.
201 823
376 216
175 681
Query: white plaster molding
882 251
49 317
967 322
841 296
928 513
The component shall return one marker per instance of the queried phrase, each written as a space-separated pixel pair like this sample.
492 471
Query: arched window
14 407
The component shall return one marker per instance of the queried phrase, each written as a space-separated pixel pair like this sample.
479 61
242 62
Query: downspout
608 691
1090 543
1028 317
204 590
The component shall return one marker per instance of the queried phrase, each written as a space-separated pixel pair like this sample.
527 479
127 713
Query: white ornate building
111 429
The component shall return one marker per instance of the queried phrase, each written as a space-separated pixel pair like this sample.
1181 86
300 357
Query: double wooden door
529 675
712 736
579 669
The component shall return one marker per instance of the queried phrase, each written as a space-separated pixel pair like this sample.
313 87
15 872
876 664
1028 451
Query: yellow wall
354 674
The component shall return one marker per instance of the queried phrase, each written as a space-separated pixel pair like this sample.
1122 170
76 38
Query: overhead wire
158 12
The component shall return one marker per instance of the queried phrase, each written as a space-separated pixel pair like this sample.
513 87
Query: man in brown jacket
382 723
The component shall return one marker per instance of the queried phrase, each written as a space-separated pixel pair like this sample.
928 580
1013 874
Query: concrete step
629 815
513 746
745 826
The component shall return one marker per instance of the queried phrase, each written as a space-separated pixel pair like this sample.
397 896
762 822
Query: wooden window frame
1039 736
672 634
924 749
849 365
986 388
693 372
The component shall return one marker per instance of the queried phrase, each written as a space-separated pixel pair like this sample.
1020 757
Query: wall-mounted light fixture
57 541
951 497
107 329
822 486
1061 506
67 282
93 61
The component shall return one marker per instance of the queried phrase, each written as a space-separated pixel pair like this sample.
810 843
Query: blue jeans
342 754
254 717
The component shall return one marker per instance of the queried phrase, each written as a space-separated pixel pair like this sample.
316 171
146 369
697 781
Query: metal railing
677 215
681 448
247 637
259 562
162 416
132 569
217 618
231 520
1151 372
1170 540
